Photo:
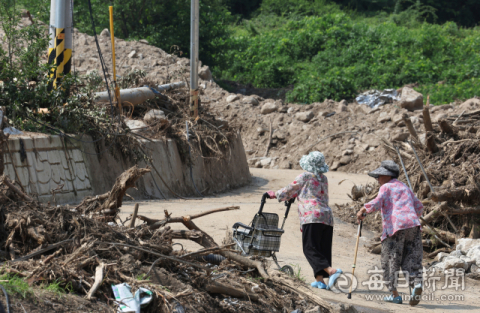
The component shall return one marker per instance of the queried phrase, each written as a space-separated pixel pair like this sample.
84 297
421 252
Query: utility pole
60 45
194 34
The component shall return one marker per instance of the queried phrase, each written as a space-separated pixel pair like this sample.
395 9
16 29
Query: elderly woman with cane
316 218
402 236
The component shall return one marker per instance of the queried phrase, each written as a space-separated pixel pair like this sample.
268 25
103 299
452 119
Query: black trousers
317 246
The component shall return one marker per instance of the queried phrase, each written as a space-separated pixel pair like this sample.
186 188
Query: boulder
136 126
232 98
144 41
474 253
465 244
411 99
250 100
347 152
304 116
457 253
265 162
474 268
400 137
132 54
268 108
283 109
154 115
105 33
345 159
470 105
441 256
205 73
291 110
335 166
342 106
454 262
384 117
397 118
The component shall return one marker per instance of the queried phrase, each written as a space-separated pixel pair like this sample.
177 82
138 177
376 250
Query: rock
258 164
261 130
441 256
474 268
342 107
437 108
105 33
374 110
400 137
322 114
291 110
397 118
343 308
465 244
474 253
335 166
268 108
283 109
285 164
316 309
205 73
154 115
232 98
454 262
82 41
423 139
136 126
457 253
304 116
411 99
132 54
347 152
265 162
470 105
345 159
143 41
250 100
415 119
384 117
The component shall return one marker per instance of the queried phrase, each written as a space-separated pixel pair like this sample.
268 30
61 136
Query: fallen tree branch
40 252
157 254
443 207
460 193
434 253
216 287
154 224
15 189
269 141
98 280
206 250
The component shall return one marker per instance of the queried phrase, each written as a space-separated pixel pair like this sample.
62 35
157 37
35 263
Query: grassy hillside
331 54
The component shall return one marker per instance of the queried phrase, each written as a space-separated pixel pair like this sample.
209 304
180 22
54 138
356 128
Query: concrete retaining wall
74 169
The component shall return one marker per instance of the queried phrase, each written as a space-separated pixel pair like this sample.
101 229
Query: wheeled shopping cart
262 236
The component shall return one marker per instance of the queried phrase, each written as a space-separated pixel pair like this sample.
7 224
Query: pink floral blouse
399 206
311 192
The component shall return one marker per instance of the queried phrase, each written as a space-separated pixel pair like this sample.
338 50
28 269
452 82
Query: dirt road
248 198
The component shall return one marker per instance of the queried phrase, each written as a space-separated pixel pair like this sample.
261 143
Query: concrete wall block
76 154
55 156
27 143
55 142
14 144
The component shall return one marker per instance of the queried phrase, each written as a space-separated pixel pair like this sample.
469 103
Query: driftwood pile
448 185
87 251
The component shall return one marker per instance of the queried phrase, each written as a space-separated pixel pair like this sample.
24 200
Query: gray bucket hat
387 168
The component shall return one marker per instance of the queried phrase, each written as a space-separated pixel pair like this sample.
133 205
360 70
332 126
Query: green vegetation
298 272
324 48
15 284
336 55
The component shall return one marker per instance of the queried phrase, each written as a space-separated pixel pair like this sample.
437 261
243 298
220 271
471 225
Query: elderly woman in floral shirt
316 218
402 236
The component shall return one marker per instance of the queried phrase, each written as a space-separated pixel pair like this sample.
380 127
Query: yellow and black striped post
60 47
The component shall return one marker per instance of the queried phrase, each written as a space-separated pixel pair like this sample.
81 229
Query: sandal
333 279
318 284
392 299
416 295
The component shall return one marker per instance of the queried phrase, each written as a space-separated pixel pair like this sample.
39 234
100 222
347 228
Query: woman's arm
377 203
417 204
291 191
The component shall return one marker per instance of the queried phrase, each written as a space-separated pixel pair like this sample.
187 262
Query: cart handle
262 203
288 204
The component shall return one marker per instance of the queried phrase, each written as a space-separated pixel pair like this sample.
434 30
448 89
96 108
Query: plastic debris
12 131
375 98
129 303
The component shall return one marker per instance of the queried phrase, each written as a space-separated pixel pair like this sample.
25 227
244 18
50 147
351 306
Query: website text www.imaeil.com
431 297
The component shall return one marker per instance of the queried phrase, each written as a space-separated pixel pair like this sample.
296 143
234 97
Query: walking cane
359 234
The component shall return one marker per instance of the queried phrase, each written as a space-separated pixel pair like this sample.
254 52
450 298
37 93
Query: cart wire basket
262 236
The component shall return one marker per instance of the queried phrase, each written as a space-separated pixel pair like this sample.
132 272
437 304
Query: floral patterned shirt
311 192
399 206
